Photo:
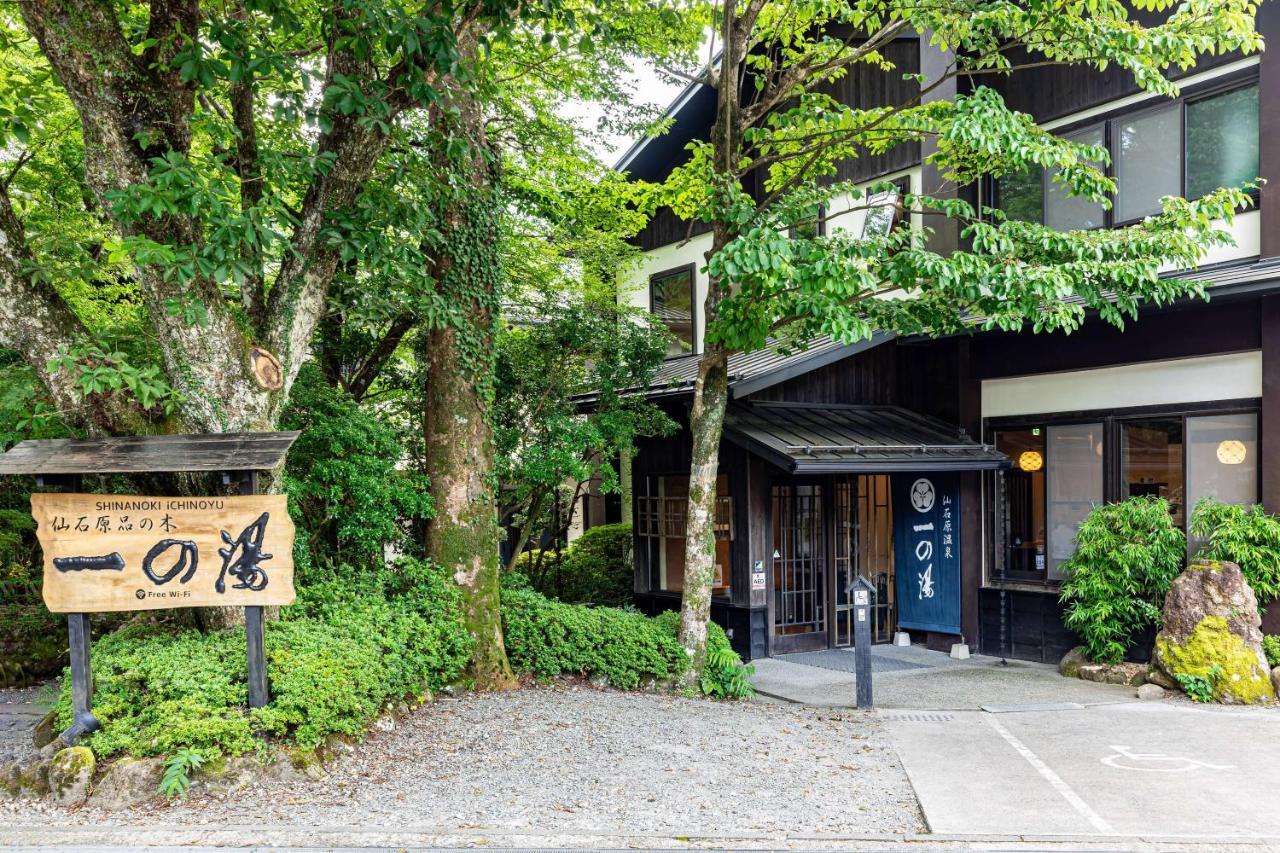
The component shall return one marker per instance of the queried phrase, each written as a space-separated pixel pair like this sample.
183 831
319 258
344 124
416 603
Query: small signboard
926 542
757 574
128 552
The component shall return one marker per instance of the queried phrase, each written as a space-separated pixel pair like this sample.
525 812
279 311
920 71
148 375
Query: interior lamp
1031 460
1231 452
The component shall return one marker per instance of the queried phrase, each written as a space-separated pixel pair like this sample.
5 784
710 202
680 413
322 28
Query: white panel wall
1151 383
634 282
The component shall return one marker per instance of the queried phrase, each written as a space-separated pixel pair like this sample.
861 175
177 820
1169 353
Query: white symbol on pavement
1125 758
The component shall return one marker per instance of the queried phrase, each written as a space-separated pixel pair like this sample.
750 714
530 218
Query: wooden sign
125 552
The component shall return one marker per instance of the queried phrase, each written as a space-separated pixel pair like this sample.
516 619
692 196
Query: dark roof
140 454
753 371
651 158
821 438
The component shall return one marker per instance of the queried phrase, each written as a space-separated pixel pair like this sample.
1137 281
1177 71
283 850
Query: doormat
843 660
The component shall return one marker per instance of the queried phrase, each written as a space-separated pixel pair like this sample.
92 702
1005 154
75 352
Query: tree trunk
626 487
706 423
459 367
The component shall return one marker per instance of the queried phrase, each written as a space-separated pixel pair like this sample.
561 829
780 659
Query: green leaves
1244 535
1127 555
177 773
97 370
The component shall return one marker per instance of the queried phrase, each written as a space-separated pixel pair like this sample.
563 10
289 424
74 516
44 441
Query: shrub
350 645
345 493
32 640
1246 536
597 569
1127 555
547 638
1271 647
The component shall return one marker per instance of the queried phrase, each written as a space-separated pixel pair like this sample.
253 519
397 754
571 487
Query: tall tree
777 128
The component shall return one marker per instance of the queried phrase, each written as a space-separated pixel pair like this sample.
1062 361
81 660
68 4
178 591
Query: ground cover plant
596 568
353 642
1127 555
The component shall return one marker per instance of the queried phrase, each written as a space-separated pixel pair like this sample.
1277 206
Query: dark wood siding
866 86
666 228
867 377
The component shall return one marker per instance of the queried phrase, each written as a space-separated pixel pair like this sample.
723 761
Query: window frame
1112 463
1208 89
649 503
671 272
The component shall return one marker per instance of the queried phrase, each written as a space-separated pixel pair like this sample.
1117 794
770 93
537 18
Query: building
836 460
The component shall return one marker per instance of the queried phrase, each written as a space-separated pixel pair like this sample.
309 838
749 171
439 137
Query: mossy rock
70 775
1243 679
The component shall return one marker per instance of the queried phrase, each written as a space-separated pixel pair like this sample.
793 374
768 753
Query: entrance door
799 568
863 532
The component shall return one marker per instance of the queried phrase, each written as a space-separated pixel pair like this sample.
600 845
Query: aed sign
127 552
926 540
757 575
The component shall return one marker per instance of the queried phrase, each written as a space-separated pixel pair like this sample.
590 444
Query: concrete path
1165 768
934 681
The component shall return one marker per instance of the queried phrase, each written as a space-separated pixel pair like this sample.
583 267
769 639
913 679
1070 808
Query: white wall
633 286
1151 383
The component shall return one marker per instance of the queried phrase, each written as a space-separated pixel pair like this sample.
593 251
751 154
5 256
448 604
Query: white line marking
1068 794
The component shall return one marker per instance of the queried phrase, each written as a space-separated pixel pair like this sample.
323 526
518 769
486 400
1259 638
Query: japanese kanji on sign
128 552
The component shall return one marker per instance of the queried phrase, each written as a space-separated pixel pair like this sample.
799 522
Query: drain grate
918 717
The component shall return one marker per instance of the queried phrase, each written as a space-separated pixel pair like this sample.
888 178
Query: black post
255 642
863 599
79 638
83 720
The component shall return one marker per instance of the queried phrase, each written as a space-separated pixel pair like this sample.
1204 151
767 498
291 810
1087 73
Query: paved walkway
20 710
1166 768
914 677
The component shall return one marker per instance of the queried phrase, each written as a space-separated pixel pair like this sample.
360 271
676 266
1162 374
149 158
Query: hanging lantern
1231 452
1031 460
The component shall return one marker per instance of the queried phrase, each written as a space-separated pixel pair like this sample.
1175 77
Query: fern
177 773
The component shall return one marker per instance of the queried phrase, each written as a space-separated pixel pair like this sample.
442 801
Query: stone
226 775
1072 661
960 651
1275 680
10 775
338 744
127 783
71 775
901 638
46 730
385 723
308 763
1129 674
1151 691
1156 675
33 779
1211 620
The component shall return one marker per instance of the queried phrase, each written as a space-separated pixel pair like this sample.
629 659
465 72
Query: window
671 299
662 521
1222 141
1189 147
1145 157
1061 471
1063 212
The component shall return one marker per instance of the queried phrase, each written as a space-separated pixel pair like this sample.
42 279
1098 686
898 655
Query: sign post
863 592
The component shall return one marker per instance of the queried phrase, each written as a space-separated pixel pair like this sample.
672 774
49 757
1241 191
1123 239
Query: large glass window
662 519
1222 141
671 299
1063 212
1187 148
1059 475
1146 161
1151 462
1074 484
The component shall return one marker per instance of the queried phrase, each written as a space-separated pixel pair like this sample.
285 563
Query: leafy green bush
547 638
32 640
1271 647
1127 555
345 493
596 568
1246 536
1200 687
350 645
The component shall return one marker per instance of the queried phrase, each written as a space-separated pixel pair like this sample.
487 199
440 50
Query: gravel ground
20 709
571 758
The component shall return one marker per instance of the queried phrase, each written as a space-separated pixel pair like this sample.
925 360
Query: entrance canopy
829 439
